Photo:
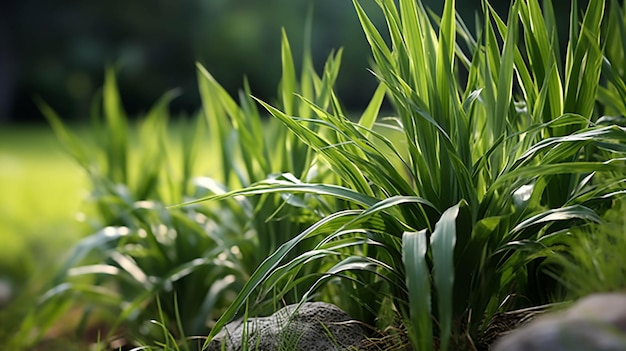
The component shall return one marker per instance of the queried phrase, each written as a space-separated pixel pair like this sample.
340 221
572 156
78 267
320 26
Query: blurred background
58 49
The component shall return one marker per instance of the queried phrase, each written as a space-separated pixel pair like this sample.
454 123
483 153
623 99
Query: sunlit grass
592 260
449 234
42 190
45 209
442 219
44 195
142 249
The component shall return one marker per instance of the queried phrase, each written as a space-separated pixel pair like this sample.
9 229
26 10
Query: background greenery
57 49
36 176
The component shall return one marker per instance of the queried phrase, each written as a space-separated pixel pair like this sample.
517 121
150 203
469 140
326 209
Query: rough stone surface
595 323
315 326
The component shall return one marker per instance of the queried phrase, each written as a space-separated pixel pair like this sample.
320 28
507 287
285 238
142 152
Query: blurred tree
6 60
58 48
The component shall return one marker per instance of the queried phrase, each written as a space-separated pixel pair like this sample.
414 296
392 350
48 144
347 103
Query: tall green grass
452 213
194 258
590 260
34 224
431 218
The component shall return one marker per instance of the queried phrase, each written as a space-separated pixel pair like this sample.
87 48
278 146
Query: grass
444 212
45 209
37 177
591 260
449 234
42 192
142 251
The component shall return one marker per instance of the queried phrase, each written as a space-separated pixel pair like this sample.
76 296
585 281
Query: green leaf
443 242
505 73
414 248
116 130
288 81
559 214
368 118
275 186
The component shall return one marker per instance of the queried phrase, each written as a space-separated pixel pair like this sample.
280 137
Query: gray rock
314 326
595 323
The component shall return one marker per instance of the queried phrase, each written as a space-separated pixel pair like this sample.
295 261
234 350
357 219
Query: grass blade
443 242
414 248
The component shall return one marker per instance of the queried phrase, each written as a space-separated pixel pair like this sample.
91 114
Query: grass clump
455 212
591 260
430 220
197 256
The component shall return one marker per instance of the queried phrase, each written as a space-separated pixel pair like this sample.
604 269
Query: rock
315 326
595 323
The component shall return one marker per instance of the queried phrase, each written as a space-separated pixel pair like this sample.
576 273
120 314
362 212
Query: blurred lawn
40 195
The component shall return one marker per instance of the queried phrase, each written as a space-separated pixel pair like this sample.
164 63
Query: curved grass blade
279 186
559 214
